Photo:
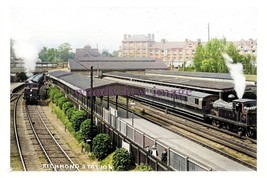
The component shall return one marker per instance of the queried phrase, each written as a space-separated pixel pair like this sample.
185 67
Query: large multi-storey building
136 45
174 54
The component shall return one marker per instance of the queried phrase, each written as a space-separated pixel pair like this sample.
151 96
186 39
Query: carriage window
196 101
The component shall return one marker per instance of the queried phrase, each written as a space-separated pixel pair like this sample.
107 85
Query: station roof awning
101 87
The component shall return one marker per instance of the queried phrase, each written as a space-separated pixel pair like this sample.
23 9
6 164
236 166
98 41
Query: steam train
34 88
239 115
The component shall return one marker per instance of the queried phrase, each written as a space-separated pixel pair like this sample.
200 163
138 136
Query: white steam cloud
28 53
237 74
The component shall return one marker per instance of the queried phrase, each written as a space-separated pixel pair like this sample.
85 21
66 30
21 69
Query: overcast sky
51 24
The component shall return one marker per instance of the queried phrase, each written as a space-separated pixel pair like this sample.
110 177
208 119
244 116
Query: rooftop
178 82
116 63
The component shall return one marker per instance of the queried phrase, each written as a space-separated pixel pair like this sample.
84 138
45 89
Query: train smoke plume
28 53
237 74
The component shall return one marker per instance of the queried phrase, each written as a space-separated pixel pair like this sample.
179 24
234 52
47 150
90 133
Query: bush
85 129
61 101
56 97
66 106
122 160
52 91
101 146
143 167
70 111
77 118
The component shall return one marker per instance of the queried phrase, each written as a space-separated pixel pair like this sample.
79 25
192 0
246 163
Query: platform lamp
132 104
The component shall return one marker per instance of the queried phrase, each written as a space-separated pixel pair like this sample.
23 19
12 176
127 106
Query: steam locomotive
239 115
33 88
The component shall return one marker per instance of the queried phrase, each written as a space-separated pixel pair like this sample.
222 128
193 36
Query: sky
103 25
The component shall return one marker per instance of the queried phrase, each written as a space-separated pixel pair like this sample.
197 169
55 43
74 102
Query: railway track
56 157
190 117
17 140
182 125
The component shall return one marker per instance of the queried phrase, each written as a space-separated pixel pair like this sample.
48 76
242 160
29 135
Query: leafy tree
43 55
64 51
115 53
66 106
106 54
198 57
209 58
85 129
101 145
122 160
77 118
52 54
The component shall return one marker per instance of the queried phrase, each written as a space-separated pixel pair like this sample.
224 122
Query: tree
43 54
209 59
106 54
85 129
198 57
122 160
101 145
115 53
64 51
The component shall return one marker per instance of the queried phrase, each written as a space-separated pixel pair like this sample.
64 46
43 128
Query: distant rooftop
226 76
138 37
116 63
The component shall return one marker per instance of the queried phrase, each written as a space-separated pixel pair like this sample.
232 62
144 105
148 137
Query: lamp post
132 104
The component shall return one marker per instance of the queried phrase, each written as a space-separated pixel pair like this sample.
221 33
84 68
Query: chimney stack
149 36
125 37
153 36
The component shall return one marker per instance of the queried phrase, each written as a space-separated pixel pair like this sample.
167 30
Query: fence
138 141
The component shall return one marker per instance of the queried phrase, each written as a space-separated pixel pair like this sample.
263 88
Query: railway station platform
14 85
193 150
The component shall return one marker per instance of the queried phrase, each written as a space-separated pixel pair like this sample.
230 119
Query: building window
196 101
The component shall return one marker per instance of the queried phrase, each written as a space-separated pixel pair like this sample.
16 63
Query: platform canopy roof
101 87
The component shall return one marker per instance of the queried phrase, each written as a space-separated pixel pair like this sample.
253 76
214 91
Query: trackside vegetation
79 125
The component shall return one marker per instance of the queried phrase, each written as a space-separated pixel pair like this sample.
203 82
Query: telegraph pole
92 111
208 31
